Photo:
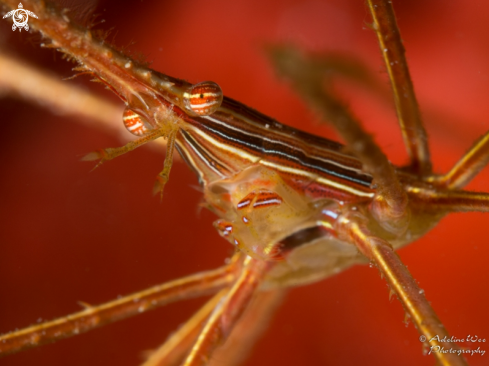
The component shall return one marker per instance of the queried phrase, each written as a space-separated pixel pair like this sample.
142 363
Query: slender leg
249 328
227 313
306 76
352 228
195 285
451 201
468 166
164 175
111 153
252 324
173 351
408 114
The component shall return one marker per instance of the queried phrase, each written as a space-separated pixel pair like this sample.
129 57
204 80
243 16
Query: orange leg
468 166
92 317
307 79
451 201
226 314
408 114
164 175
172 352
401 282
111 153
250 327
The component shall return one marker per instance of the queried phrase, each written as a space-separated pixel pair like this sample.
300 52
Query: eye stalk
203 98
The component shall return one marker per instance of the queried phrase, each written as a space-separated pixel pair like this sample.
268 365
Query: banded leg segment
407 108
380 252
92 317
226 314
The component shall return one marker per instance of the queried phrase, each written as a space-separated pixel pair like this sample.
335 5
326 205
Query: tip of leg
94 155
96 166
159 187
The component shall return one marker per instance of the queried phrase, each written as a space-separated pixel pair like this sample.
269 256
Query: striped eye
134 123
203 98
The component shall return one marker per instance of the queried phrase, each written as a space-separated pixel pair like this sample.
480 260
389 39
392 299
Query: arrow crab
71 236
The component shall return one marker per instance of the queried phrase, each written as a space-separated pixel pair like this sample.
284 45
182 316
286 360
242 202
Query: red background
68 235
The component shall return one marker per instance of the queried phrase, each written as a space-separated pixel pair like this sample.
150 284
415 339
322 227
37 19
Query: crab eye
203 98
134 123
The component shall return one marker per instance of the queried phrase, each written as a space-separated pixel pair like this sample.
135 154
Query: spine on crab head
120 73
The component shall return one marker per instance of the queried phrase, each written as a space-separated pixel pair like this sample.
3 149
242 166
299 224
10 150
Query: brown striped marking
236 137
260 199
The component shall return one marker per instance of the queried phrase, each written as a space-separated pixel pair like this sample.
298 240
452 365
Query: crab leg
225 316
249 328
468 166
400 280
408 114
174 349
111 153
306 77
92 317
164 175
453 201
251 325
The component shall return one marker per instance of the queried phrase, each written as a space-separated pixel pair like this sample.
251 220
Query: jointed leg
407 108
227 312
448 200
306 77
249 328
251 325
172 352
468 166
377 250
164 175
92 317
111 153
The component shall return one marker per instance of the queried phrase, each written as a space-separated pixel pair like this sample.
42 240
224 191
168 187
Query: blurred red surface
68 235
